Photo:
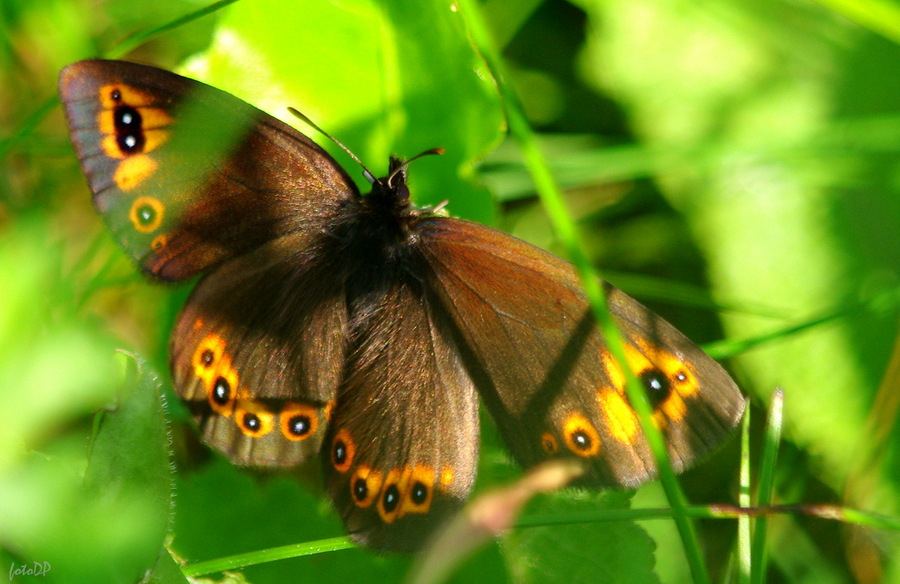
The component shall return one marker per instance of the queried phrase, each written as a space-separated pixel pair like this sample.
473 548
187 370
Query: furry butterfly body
360 330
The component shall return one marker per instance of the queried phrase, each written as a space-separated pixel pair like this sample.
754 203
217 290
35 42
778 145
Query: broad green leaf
361 71
129 472
604 552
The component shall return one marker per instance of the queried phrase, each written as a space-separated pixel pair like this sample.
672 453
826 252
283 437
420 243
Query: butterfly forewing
528 338
186 175
696 402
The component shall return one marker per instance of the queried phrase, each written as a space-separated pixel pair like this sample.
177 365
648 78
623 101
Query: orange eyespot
208 355
416 497
680 374
667 379
151 119
253 418
365 485
548 443
221 387
580 436
298 421
408 490
130 130
116 94
343 449
122 145
146 214
392 494
159 242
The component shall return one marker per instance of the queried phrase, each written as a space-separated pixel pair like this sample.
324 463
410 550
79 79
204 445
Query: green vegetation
734 165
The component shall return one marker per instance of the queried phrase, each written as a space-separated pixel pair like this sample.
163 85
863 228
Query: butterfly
361 330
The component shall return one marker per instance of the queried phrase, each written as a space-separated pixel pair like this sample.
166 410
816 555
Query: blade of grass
729 512
879 16
886 300
744 500
774 423
267 555
661 289
565 229
27 127
138 38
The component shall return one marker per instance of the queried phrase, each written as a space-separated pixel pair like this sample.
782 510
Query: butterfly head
387 209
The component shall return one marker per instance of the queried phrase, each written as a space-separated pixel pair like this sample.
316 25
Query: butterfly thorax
382 230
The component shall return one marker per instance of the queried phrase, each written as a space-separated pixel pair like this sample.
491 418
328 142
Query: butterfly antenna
405 163
366 172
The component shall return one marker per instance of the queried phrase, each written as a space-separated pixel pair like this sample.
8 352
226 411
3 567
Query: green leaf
103 525
616 552
129 473
361 71
167 571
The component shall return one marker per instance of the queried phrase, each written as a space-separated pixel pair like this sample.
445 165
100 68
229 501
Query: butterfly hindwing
186 175
403 446
563 395
258 350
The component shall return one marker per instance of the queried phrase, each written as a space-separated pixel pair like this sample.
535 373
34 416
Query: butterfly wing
528 338
191 179
188 176
258 349
403 445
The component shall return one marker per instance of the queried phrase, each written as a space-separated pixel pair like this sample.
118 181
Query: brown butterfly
360 328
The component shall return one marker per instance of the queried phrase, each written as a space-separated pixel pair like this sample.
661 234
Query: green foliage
620 552
730 154
128 470
365 75
65 523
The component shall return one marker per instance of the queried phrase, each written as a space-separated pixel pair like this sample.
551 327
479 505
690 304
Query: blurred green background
732 164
